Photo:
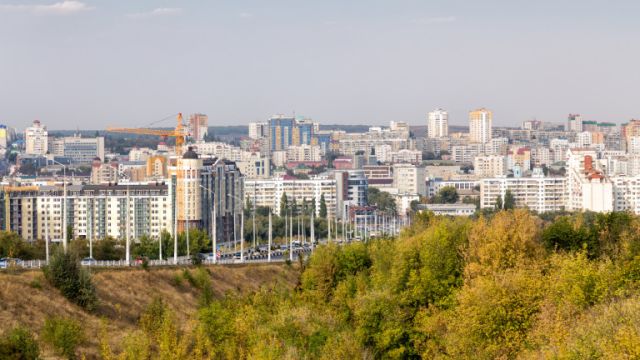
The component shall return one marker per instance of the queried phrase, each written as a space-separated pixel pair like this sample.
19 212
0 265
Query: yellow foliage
510 239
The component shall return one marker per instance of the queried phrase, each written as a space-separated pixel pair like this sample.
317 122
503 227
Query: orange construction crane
180 133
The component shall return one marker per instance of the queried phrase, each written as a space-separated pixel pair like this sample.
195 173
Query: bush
18 343
64 334
74 282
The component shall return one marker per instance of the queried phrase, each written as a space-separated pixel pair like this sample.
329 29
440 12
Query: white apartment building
256 167
269 192
304 153
538 193
466 153
222 150
437 124
497 146
626 193
94 211
480 125
410 179
140 154
406 156
587 187
258 130
36 138
488 166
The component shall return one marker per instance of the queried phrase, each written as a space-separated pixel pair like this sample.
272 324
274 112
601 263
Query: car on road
88 261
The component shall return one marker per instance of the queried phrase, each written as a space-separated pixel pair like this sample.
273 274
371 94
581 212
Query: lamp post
64 205
241 226
214 235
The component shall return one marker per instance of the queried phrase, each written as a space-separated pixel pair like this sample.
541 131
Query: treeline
509 286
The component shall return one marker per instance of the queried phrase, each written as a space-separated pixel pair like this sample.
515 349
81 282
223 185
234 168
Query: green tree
284 204
499 205
323 207
74 282
19 344
509 200
64 334
446 195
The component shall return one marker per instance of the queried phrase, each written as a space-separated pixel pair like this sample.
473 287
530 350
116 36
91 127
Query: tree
382 199
323 207
509 201
284 203
499 202
446 195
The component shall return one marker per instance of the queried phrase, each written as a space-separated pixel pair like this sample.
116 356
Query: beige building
490 166
36 139
480 124
188 190
410 179
198 126
104 173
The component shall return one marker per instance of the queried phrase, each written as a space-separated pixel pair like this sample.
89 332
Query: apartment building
538 193
410 179
93 211
268 192
488 166
36 138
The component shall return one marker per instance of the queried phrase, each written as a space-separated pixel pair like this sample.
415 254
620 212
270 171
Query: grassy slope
124 294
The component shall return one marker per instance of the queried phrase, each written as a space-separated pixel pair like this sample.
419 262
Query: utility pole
254 215
214 233
291 238
175 225
328 229
46 235
270 237
313 235
127 218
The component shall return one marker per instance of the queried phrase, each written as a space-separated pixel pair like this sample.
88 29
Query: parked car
88 261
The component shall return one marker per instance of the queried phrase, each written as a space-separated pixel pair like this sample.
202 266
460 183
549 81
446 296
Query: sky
90 64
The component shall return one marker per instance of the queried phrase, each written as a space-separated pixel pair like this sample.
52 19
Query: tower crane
180 133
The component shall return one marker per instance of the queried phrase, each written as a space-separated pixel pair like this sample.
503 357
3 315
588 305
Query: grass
124 294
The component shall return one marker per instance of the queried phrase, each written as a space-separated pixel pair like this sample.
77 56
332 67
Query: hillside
27 299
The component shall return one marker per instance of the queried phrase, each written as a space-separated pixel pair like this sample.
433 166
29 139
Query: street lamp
241 226
64 205
214 235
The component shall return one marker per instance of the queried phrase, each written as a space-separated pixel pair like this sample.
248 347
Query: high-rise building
574 122
281 132
437 124
188 191
198 126
36 139
480 123
258 130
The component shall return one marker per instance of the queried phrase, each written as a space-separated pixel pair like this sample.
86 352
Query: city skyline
358 63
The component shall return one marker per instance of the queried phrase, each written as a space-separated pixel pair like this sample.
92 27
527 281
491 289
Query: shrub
18 343
74 282
64 334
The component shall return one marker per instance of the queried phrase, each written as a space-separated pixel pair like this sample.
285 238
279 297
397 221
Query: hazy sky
90 63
